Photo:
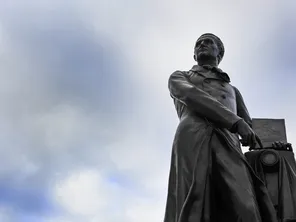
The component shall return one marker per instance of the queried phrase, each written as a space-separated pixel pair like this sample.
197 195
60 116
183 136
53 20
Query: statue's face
206 48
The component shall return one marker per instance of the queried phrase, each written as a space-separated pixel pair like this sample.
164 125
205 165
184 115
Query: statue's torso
216 87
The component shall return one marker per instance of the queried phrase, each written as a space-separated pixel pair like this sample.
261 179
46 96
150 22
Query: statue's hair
218 42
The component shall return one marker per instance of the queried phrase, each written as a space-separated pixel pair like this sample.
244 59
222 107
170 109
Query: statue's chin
204 56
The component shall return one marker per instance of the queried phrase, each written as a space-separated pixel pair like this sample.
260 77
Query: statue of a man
210 180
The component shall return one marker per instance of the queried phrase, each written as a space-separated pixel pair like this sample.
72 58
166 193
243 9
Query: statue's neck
209 63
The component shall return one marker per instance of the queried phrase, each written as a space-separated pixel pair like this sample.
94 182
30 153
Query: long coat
210 179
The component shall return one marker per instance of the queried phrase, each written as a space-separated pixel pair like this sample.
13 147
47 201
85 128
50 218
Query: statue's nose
203 43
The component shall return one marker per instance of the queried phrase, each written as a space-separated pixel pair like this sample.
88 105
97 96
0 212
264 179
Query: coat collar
223 75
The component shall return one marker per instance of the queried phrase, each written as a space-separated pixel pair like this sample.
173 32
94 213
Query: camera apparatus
275 166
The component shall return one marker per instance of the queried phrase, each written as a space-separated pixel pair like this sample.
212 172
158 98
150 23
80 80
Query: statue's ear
194 57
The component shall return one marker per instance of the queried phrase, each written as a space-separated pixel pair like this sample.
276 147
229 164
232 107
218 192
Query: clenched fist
249 137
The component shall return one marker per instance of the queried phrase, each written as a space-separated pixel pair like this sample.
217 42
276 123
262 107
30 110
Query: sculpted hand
281 146
249 138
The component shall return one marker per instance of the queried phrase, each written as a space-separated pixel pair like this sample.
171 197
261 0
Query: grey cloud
64 97
61 61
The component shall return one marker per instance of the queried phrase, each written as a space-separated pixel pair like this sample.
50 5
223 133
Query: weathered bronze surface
275 165
210 179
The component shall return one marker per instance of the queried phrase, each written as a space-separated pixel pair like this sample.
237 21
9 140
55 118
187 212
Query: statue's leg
235 199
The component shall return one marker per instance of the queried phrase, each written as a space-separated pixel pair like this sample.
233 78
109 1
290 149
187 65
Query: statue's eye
209 41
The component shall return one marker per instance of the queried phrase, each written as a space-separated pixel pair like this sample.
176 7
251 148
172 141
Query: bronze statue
210 179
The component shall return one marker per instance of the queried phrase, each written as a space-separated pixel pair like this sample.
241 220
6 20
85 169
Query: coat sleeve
242 110
200 101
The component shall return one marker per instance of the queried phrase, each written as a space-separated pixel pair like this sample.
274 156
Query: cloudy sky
87 122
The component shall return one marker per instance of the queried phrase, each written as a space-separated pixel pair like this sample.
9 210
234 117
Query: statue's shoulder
234 87
236 90
180 72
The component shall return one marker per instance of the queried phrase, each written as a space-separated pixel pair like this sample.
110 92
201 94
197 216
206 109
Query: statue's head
208 47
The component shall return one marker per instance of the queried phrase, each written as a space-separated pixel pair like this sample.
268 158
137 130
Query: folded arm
201 102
